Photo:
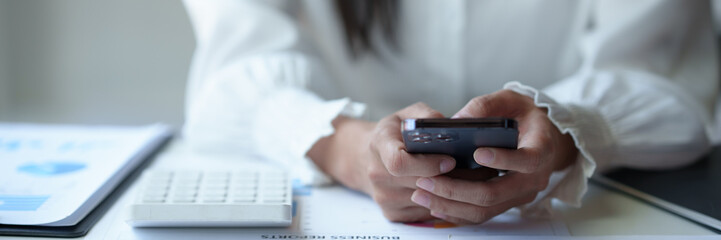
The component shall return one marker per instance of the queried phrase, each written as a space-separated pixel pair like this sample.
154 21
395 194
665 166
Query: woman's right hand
371 157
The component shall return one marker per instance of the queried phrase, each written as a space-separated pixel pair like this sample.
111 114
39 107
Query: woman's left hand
542 149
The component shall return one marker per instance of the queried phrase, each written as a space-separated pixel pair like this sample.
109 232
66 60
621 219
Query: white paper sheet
333 213
54 175
329 213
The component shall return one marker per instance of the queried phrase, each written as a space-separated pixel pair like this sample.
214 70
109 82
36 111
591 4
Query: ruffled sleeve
248 88
643 97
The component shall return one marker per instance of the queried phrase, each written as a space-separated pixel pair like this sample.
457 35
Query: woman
323 85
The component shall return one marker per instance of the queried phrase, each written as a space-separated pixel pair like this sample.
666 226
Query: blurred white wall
716 5
89 61
4 98
94 62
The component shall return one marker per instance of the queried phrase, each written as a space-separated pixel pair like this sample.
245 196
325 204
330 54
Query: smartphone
459 137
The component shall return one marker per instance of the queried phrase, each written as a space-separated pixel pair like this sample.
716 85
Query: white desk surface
604 212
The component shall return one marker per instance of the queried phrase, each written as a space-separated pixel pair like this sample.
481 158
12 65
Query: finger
389 198
449 209
408 214
503 103
485 194
526 159
390 126
402 164
484 214
454 220
379 176
405 182
418 110
396 205
392 150
399 162
535 148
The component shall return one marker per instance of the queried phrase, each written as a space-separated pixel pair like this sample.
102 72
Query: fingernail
438 215
447 165
484 156
421 199
425 184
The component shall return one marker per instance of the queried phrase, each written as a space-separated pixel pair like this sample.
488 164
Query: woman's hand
542 149
371 157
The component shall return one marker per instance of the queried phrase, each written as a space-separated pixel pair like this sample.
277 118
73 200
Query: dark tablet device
459 137
692 192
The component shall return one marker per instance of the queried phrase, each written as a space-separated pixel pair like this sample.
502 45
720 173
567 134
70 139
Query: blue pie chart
51 168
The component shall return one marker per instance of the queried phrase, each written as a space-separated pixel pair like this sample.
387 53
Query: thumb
503 103
418 110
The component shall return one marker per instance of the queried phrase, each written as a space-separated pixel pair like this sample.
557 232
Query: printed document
55 175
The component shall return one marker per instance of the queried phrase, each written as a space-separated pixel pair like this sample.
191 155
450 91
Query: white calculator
189 198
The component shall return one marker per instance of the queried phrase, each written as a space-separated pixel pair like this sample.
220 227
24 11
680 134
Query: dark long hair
360 17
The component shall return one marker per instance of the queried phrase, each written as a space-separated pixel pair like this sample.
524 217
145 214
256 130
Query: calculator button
216 189
153 199
163 183
161 177
185 190
245 175
186 181
184 200
274 174
275 186
244 200
244 194
183 195
187 184
216 174
245 185
214 199
214 193
274 181
274 199
216 185
207 190
216 181
219 176
156 190
274 192
243 190
154 194
188 177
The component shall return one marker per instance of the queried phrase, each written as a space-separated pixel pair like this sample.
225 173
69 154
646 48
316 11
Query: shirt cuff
308 173
286 132
587 128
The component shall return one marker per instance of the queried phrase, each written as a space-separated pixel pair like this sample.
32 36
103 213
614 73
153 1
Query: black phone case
460 142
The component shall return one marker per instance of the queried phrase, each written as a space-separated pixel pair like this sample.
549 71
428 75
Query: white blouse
633 82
